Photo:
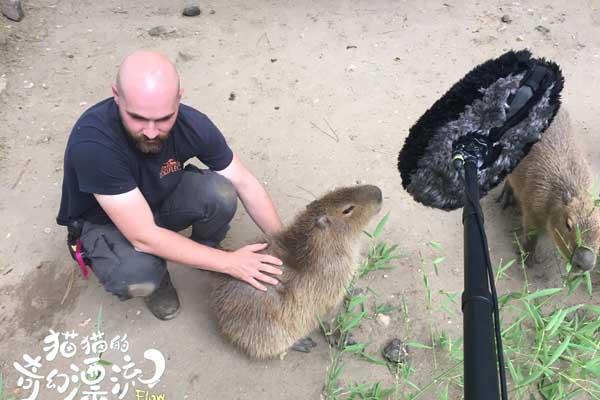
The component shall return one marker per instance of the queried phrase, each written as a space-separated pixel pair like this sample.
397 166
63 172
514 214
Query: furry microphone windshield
505 103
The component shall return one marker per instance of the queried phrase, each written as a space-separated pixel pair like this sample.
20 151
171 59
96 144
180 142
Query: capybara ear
323 221
569 223
567 197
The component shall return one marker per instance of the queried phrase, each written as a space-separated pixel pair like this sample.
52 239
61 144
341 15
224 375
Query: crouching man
126 191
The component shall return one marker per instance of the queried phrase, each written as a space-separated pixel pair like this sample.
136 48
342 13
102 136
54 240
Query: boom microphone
504 103
461 148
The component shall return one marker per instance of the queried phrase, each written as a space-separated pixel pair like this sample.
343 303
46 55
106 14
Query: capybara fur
320 252
553 186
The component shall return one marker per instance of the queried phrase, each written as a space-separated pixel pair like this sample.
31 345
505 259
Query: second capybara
553 186
320 252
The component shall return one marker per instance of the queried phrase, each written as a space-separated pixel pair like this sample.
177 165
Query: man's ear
115 92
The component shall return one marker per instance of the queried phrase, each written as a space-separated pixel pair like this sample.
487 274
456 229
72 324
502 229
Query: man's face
148 121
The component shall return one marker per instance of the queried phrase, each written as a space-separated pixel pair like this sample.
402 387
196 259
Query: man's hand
247 265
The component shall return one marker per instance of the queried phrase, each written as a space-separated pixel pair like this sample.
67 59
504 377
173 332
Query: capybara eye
348 210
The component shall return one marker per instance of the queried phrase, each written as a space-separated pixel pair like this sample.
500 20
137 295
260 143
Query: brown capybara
553 186
320 252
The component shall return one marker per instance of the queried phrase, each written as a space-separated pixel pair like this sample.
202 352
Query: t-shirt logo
170 166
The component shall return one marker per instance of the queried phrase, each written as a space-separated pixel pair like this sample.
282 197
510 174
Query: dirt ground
324 95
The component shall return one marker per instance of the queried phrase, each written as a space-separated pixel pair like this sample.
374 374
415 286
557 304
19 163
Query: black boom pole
480 368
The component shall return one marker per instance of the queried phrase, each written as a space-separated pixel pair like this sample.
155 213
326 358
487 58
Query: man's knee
226 197
138 276
216 197
142 289
201 195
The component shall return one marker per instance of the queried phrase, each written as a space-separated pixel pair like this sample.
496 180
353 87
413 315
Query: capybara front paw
304 345
335 339
507 196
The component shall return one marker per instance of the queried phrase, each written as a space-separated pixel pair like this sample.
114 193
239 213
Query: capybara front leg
507 196
529 240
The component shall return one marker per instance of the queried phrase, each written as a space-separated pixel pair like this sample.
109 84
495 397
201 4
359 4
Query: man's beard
147 146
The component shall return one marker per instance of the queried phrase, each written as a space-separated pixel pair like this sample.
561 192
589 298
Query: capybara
320 252
553 186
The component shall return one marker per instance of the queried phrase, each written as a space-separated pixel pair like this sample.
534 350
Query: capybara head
575 227
341 214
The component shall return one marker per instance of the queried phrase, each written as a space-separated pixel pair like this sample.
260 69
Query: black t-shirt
101 158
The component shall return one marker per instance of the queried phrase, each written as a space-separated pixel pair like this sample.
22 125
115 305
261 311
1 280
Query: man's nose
150 130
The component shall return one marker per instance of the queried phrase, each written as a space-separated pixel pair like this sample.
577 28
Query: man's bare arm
132 216
255 198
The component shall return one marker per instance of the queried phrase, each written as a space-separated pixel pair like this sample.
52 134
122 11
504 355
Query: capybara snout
584 258
574 222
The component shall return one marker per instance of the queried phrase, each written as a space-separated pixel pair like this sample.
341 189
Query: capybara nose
583 258
375 192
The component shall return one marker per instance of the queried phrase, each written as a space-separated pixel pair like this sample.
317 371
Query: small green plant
99 320
351 317
354 311
2 395
364 391
380 255
552 349
384 309
502 268
439 260
449 303
101 361
331 390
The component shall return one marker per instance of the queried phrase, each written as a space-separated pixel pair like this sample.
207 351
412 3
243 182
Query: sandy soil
325 92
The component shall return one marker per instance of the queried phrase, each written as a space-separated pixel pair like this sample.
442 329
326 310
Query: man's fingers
266 278
256 247
271 270
256 284
265 258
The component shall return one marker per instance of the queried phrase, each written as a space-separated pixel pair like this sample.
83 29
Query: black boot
163 302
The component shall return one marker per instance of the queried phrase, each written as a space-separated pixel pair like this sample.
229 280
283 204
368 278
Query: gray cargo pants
203 199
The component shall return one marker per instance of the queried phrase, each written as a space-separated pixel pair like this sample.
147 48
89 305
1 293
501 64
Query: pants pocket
103 259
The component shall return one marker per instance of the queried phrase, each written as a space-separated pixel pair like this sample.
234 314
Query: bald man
127 191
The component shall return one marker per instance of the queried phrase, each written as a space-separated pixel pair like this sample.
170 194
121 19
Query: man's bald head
147 93
146 72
